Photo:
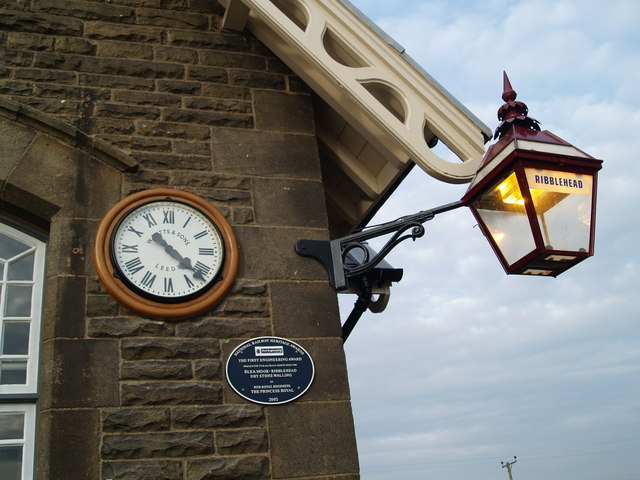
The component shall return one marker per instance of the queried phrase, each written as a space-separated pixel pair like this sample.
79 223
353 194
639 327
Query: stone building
99 100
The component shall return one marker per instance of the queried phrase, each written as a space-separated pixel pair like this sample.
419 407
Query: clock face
167 250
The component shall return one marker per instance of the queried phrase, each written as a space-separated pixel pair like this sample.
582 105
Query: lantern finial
508 93
513 113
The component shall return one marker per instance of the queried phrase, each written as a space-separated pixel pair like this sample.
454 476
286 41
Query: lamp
534 195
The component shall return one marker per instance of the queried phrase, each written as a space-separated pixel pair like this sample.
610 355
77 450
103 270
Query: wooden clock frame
158 309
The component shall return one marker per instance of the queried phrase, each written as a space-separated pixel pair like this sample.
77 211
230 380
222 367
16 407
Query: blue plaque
270 370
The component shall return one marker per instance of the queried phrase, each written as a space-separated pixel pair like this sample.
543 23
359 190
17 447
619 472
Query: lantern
534 195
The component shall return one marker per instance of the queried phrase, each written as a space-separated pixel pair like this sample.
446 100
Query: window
17 430
21 280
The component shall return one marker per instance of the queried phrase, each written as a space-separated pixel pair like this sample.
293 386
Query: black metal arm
333 254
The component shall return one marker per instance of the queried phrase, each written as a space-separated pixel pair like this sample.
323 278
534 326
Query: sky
468 367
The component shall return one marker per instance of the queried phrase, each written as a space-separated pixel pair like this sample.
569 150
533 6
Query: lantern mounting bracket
349 257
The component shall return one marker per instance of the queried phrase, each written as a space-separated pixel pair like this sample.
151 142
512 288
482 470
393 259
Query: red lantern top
534 195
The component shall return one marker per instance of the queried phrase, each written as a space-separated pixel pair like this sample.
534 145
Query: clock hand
184 262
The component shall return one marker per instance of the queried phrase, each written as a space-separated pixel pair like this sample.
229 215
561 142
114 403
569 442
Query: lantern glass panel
562 201
503 212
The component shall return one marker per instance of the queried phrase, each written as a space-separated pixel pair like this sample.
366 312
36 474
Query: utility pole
508 466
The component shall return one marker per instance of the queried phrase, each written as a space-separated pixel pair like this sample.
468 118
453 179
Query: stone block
127 327
124 33
102 306
232 182
207 74
205 6
249 78
27 206
250 287
324 440
112 81
58 107
163 349
69 91
217 104
208 40
128 420
157 370
30 41
284 112
191 148
129 142
180 87
69 444
202 117
242 442
43 75
243 216
167 18
108 48
176 54
296 203
224 328
157 445
171 393
246 307
265 154
229 468
305 309
277 244
226 91
10 87
87 10
116 110
40 23
233 60
64 307
70 246
80 46
226 416
68 183
148 178
207 369
166 161
173 130
14 139
80 373
16 58
149 470
330 382
147 98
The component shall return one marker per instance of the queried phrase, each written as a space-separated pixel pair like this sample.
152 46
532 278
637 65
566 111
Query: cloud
467 366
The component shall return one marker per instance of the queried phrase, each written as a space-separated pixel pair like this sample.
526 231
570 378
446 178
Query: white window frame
23 398
28 441
31 385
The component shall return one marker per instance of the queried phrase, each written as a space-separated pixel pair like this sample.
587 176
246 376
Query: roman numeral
134 265
148 279
200 235
189 282
201 268
185 223
169 216
129 248
150 220
206 251
131 229
168 285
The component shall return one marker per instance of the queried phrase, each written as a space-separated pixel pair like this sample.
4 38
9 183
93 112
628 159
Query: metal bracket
337 256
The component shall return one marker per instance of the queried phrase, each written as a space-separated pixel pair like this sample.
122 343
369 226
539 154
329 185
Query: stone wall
182 105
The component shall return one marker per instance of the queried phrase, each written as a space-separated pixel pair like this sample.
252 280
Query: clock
166 254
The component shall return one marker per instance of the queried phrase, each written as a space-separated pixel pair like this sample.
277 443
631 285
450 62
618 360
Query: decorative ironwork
349 256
